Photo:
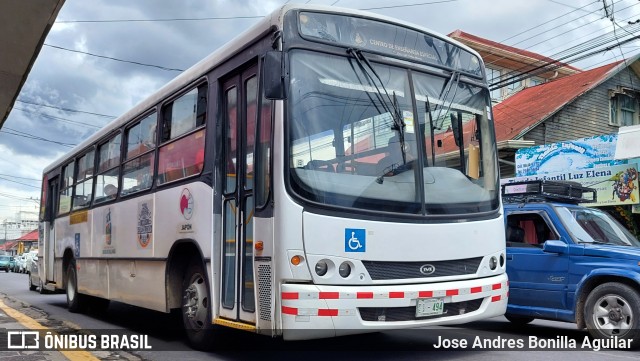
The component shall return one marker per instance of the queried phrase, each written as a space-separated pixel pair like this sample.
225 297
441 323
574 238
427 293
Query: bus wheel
612 310
196 307
74 298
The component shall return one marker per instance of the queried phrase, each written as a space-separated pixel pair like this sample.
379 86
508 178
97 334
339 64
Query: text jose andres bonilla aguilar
531 342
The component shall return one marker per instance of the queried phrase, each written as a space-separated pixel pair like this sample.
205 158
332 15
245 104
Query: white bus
328 171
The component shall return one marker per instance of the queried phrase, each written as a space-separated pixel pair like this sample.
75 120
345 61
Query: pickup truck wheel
75 300
612 310
519 320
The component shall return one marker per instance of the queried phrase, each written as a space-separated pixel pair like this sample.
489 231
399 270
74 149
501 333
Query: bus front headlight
344 270
321 268
493 263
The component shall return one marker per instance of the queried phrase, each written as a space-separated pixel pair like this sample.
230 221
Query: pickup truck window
528 229
588 225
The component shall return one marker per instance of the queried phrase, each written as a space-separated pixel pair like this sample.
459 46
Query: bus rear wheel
196 307
74 298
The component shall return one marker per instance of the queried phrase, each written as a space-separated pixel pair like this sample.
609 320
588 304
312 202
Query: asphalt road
500 339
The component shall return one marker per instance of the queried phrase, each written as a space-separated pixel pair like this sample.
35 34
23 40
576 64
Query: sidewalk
16 316
8 323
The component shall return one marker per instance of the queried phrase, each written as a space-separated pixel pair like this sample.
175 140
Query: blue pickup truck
570 263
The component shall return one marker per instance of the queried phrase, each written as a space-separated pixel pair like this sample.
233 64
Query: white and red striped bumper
326 311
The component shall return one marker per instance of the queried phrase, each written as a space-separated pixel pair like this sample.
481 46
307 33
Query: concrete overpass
24 25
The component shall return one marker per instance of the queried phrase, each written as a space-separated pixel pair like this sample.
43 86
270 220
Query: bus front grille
381 270
391 314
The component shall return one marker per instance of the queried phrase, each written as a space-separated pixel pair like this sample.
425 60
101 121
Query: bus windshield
354 140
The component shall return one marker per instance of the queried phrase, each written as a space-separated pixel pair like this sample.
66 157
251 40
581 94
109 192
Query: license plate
429 307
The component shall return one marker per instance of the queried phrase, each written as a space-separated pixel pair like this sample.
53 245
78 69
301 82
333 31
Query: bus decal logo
145 225
108 246
186 204
355 240
427 269
359 39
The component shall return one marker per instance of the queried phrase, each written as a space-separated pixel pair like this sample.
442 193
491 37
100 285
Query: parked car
34 276
12 263
28 259
20 263
5 261
570 263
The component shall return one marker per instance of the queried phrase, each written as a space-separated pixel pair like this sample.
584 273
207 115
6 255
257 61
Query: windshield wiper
390 105
427 106
398 122
455 75
582 241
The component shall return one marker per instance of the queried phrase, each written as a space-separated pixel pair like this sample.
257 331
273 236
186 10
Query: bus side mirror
274 75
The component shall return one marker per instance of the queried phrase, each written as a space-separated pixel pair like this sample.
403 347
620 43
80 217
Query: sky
94 66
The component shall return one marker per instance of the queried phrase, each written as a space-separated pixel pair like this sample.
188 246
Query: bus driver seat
393 154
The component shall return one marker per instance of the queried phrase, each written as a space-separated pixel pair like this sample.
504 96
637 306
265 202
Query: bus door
237 295
49 236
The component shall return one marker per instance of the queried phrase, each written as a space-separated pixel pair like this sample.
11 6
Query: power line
562 58
65 109
114 59
573 29
546 31
231 17
408 5
546 22
18 198
158 20
550 66
24 184
15 176
588 34
58 118
31 136
12 206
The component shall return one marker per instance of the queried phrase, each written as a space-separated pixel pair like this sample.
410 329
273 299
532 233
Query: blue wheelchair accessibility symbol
355 240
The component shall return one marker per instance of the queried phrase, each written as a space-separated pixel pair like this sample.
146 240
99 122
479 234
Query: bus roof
224 53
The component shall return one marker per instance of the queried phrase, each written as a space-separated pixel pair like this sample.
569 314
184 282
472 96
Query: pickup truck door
537 279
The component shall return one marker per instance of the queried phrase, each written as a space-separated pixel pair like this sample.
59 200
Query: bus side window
263 154
84 181
230 138
64 203
137 173
184 156
108 162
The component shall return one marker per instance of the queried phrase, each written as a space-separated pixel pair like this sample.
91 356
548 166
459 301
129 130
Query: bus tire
612 310
196 307
75 301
